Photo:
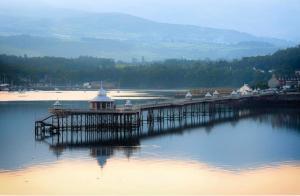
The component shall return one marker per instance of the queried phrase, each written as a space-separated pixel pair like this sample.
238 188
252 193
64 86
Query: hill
120 36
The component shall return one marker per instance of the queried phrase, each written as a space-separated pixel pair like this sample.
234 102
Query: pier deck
156 114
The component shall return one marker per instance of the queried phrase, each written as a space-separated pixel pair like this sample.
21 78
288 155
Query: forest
171 73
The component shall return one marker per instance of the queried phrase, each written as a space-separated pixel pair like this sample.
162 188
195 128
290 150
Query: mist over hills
123 37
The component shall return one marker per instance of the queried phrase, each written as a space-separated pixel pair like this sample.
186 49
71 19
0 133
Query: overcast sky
272 18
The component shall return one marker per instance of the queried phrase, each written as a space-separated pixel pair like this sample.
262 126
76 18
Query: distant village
287 83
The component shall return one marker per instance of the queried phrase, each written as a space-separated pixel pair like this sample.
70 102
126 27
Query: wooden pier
69 126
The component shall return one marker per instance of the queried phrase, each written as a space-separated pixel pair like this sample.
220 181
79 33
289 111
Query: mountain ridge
118 21
144 37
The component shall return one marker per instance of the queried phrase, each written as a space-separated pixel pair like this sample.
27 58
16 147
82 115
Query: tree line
172 73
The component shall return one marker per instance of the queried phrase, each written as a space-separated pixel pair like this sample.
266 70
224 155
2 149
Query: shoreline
70 95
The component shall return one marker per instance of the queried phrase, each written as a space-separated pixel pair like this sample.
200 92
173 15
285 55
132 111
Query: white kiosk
102 101
216 94
189 95
208 95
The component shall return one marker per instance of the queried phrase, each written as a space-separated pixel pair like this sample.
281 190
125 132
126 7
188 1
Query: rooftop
102 96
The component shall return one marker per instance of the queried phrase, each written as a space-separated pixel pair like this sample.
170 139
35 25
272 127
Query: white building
87 85
4 87
273 82
245 90
102 101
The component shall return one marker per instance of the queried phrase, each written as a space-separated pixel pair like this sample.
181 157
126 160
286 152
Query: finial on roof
101 92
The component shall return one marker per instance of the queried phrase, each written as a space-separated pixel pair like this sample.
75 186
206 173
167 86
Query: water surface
258 154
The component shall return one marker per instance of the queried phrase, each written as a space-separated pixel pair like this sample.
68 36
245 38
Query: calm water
259 154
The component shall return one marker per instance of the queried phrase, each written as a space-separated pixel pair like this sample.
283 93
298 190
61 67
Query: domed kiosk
57 105
234 94
208 95
189 95
216 94
102 101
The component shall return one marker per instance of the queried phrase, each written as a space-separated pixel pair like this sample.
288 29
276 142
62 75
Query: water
259 154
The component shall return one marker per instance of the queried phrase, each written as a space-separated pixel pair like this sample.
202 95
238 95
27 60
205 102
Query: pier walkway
125 122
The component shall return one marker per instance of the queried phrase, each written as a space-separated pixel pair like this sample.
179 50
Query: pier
114 126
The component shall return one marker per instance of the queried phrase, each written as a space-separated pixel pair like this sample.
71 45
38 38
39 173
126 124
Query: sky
269 18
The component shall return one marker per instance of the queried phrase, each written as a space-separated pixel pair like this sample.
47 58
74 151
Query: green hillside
171 73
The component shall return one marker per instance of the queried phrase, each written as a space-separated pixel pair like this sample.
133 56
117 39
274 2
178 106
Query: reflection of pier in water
128 138
103 142
281 118
94 135
102 146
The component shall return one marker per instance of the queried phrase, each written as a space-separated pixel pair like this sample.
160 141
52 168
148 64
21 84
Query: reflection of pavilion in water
98 151
102 154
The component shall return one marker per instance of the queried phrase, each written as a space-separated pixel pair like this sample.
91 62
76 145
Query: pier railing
144 117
